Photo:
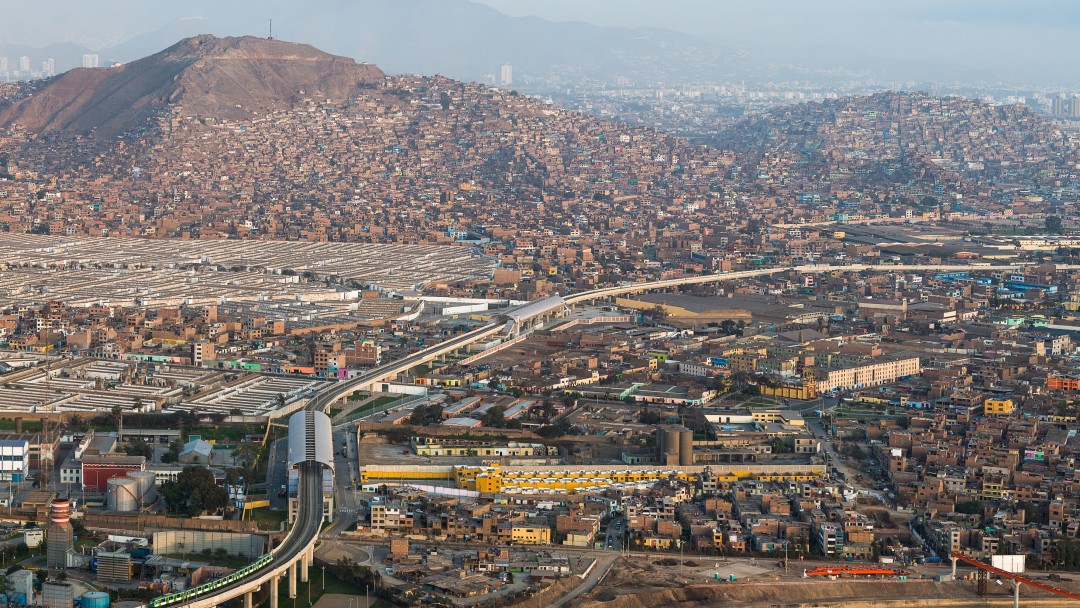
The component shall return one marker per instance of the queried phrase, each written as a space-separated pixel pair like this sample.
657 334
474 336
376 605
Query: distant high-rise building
3 67
24 64
48 67
506 75
1057 107
90 60
1074 106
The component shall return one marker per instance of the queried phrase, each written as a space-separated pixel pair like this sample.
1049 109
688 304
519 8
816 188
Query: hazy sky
987 42
1008 37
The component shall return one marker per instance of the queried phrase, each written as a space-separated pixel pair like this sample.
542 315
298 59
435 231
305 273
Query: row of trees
424 415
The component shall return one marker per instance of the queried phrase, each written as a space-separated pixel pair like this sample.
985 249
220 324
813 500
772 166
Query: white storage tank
122 494
146 481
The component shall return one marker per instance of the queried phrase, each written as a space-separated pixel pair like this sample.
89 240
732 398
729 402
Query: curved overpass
295 553
619 290
298 549
389 371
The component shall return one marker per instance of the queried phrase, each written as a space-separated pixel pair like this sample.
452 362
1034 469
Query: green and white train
187 595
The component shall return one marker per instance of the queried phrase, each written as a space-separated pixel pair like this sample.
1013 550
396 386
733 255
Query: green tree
173 454
553 431
779 446
175 499
1053 224
246 454
658 313
494 418
426 414
195 491
647 416
139 447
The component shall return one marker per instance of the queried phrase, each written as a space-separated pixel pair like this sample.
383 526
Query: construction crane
1015 578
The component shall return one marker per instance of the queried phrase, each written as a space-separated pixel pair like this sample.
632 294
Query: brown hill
226 78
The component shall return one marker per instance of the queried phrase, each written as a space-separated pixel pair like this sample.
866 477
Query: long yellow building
566 479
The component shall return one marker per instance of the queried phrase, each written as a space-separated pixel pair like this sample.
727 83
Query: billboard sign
721 362
1009 563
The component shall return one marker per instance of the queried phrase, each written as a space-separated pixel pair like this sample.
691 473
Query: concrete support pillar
248 603
953 567
274 592
292 580
305 565
1016 594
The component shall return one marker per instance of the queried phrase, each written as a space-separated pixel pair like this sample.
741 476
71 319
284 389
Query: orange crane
854 571
1015 578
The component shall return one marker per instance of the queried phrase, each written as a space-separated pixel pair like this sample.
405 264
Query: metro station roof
538 307
299 450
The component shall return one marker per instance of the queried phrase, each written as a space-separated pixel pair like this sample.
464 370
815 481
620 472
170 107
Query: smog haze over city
572 303
993 43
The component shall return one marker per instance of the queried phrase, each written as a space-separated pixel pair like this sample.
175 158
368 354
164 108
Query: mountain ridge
225 78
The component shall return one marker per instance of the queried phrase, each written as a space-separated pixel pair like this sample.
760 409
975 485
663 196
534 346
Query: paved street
346 475
599 571
277 473
615 534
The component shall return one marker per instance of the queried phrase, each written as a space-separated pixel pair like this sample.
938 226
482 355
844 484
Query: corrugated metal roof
310 438
537 308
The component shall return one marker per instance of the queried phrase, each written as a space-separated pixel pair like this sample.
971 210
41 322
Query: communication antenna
271 36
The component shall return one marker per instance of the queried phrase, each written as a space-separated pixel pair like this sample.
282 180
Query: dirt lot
638 583
533 349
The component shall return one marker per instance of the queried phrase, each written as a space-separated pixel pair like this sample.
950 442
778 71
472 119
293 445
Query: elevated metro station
311 456
311 439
